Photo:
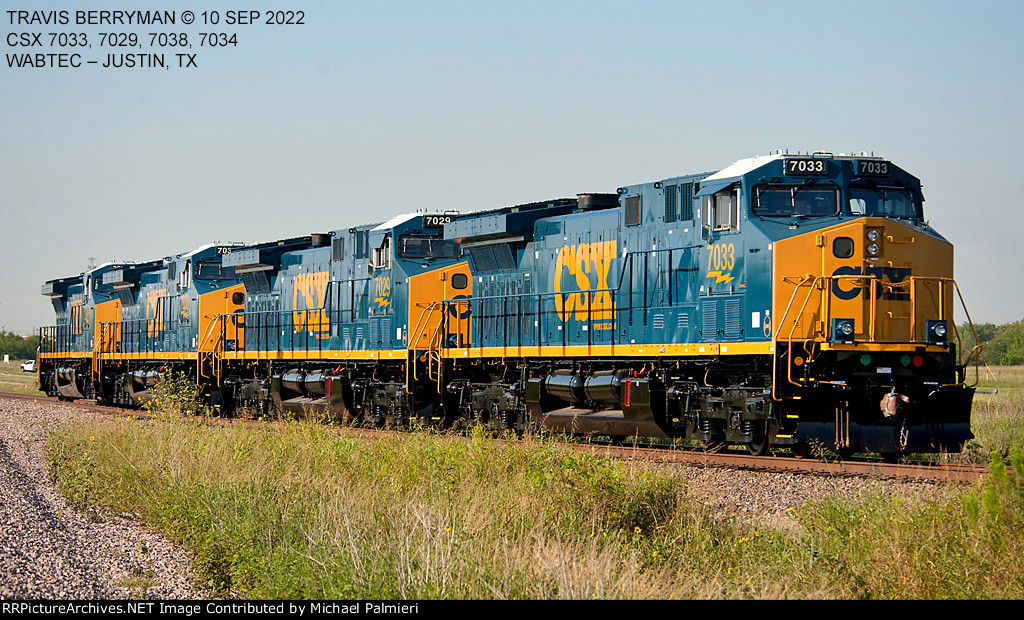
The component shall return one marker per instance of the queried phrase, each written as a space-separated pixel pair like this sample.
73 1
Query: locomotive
785 301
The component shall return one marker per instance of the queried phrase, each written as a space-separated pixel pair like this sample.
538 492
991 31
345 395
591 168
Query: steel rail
957 473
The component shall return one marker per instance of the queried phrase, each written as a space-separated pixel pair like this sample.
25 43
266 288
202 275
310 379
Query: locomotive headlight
936 332
873 234
873 249
842 330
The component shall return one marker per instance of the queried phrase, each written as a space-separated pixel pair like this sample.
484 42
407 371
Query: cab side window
382 255
721 211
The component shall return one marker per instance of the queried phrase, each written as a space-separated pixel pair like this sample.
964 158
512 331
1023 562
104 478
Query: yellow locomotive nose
872 279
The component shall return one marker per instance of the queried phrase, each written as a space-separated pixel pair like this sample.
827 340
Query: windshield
212 270
806 201
883 202
428 247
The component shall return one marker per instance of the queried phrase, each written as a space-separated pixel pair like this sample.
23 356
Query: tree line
18 347
1002 345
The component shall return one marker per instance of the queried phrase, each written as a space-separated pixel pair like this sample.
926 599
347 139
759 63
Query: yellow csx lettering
310 289
76 316
578 260
153 309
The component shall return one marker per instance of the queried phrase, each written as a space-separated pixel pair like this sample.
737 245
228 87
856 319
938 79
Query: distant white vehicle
29 366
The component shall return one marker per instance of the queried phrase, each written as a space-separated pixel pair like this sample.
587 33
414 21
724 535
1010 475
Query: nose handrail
809 283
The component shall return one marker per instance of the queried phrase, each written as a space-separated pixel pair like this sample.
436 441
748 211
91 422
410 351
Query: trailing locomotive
782 301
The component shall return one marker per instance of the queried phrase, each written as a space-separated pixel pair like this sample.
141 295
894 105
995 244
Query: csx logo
310 289
848 289
589 264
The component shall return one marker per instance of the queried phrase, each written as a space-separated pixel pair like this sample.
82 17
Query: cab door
433 321
234 329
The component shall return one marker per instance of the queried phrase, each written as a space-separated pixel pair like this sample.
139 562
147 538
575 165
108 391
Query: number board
436 221
873 168
806 166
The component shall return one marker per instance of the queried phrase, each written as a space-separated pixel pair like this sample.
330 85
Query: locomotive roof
743 166
395 221
230 244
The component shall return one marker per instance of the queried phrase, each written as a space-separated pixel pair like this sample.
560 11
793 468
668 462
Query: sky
372 109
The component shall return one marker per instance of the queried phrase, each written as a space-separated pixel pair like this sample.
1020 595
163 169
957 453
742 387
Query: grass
294 510
14 379
997 418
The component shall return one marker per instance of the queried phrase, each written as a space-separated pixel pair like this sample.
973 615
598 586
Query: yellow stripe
148 356
243 355
119 356
710 348
864 347
620 350
69 355
399 354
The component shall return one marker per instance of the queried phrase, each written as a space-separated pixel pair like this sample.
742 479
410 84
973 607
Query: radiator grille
733 323
709 320
632 214
671 212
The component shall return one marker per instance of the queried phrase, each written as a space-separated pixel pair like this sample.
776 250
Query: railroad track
918 471
958 473
90 405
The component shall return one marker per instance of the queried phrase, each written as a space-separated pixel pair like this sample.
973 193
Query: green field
997 418
14 379
294 510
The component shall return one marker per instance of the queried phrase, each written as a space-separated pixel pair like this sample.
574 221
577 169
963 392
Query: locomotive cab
860 307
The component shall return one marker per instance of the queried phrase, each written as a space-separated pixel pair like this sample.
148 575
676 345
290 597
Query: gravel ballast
49 551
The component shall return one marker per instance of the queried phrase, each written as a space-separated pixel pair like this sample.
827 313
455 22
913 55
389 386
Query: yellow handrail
811 282
214 353
432 350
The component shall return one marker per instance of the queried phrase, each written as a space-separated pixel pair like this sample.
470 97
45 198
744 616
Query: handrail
214 352
782 322
420 322
976 350
811 282
97 360
789 341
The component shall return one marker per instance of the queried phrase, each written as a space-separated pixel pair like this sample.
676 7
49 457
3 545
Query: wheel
759 448
760 443
801 449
